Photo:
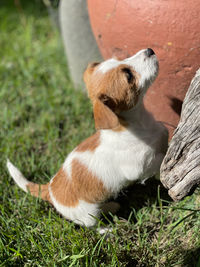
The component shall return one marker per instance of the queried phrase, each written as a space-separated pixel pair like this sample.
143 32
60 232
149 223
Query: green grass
42 119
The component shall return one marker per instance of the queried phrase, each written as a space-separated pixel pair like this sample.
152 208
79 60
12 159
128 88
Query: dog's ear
90 68
104 117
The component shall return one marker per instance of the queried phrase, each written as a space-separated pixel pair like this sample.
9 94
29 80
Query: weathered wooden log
180 169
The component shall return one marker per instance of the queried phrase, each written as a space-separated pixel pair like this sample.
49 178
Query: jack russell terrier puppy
128 146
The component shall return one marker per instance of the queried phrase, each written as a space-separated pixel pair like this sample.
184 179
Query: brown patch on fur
38 190
113 87
89 70
83 185
62 189
111 93
90 143
104 117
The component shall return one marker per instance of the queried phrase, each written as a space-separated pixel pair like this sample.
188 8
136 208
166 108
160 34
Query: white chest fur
134 154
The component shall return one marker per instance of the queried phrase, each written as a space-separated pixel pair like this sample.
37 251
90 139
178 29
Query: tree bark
180 169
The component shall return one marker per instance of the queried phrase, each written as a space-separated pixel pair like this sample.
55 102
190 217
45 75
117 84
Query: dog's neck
136 114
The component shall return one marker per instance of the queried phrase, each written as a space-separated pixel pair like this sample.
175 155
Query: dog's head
115 86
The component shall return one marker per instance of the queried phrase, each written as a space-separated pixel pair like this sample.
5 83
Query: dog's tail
36 190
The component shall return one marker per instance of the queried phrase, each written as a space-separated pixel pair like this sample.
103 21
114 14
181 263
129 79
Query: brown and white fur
128 146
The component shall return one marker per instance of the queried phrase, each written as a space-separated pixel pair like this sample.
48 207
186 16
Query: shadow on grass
34 8
191 258
138 196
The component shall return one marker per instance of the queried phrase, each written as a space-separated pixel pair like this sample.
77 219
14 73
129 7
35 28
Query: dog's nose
149 52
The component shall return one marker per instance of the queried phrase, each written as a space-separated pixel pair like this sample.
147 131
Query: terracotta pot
171 28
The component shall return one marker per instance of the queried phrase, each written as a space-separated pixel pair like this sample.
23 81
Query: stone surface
80 45
170 28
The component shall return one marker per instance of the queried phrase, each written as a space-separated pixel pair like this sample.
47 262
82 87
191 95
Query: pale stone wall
80 45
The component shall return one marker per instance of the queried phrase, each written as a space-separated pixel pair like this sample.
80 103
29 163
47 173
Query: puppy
128 146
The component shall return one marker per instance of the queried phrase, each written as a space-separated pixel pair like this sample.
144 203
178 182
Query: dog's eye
128 74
